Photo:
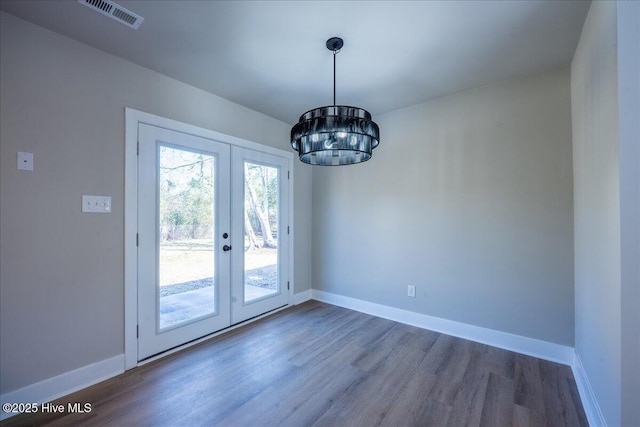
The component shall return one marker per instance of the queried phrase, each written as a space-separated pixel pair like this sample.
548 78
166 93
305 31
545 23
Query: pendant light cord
335 52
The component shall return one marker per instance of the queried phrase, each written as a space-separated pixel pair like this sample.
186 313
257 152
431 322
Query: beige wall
469 198
62 285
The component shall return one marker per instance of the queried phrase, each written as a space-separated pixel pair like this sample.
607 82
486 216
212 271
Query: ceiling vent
115 12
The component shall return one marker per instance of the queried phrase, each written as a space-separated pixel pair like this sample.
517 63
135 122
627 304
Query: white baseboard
589 401
530 346
69 382
63 384
301 297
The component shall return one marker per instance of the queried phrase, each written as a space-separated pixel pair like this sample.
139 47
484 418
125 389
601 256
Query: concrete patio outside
184 306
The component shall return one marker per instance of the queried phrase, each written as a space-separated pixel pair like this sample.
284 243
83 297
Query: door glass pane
260 231
186 236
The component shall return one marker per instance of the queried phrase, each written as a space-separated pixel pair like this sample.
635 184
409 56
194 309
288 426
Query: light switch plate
25 161
96 204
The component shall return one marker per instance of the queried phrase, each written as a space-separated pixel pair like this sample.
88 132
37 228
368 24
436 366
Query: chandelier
335 135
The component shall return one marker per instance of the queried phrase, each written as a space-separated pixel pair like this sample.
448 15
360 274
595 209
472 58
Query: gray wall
597 206
629 155
61 278
469 198
605 94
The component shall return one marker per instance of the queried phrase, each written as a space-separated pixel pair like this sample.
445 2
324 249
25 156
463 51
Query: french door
212 227
259 267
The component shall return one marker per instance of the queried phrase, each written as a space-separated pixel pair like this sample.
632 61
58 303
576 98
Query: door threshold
208 337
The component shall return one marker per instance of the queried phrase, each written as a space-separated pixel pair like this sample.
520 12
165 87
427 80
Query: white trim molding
303 296
70 382
64 384
589 401
525 345
132 118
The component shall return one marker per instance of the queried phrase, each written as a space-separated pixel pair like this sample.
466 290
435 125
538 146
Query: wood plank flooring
321 365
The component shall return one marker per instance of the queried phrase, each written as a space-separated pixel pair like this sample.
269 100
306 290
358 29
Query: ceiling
270 56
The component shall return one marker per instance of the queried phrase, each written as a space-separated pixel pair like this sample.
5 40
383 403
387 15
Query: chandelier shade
335 135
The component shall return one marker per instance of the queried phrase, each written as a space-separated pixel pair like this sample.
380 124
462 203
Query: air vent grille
115 12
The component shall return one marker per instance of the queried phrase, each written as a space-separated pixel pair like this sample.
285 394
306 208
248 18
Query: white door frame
132 119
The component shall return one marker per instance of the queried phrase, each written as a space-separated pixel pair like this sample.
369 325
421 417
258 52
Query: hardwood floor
321 365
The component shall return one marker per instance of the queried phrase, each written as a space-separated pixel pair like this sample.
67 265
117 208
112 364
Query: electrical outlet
25 161
411 291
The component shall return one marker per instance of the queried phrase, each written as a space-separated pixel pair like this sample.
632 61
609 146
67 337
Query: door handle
226 248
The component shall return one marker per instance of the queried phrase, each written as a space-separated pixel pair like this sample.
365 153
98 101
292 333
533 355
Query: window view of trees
187 181
261 230
187 199
261 206
187 187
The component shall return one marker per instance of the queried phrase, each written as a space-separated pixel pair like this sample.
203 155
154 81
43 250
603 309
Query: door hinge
288 175
137 331
137 239
287 285
138 149
288 229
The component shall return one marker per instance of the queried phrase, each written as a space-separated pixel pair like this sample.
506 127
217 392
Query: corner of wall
588 397
520 344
